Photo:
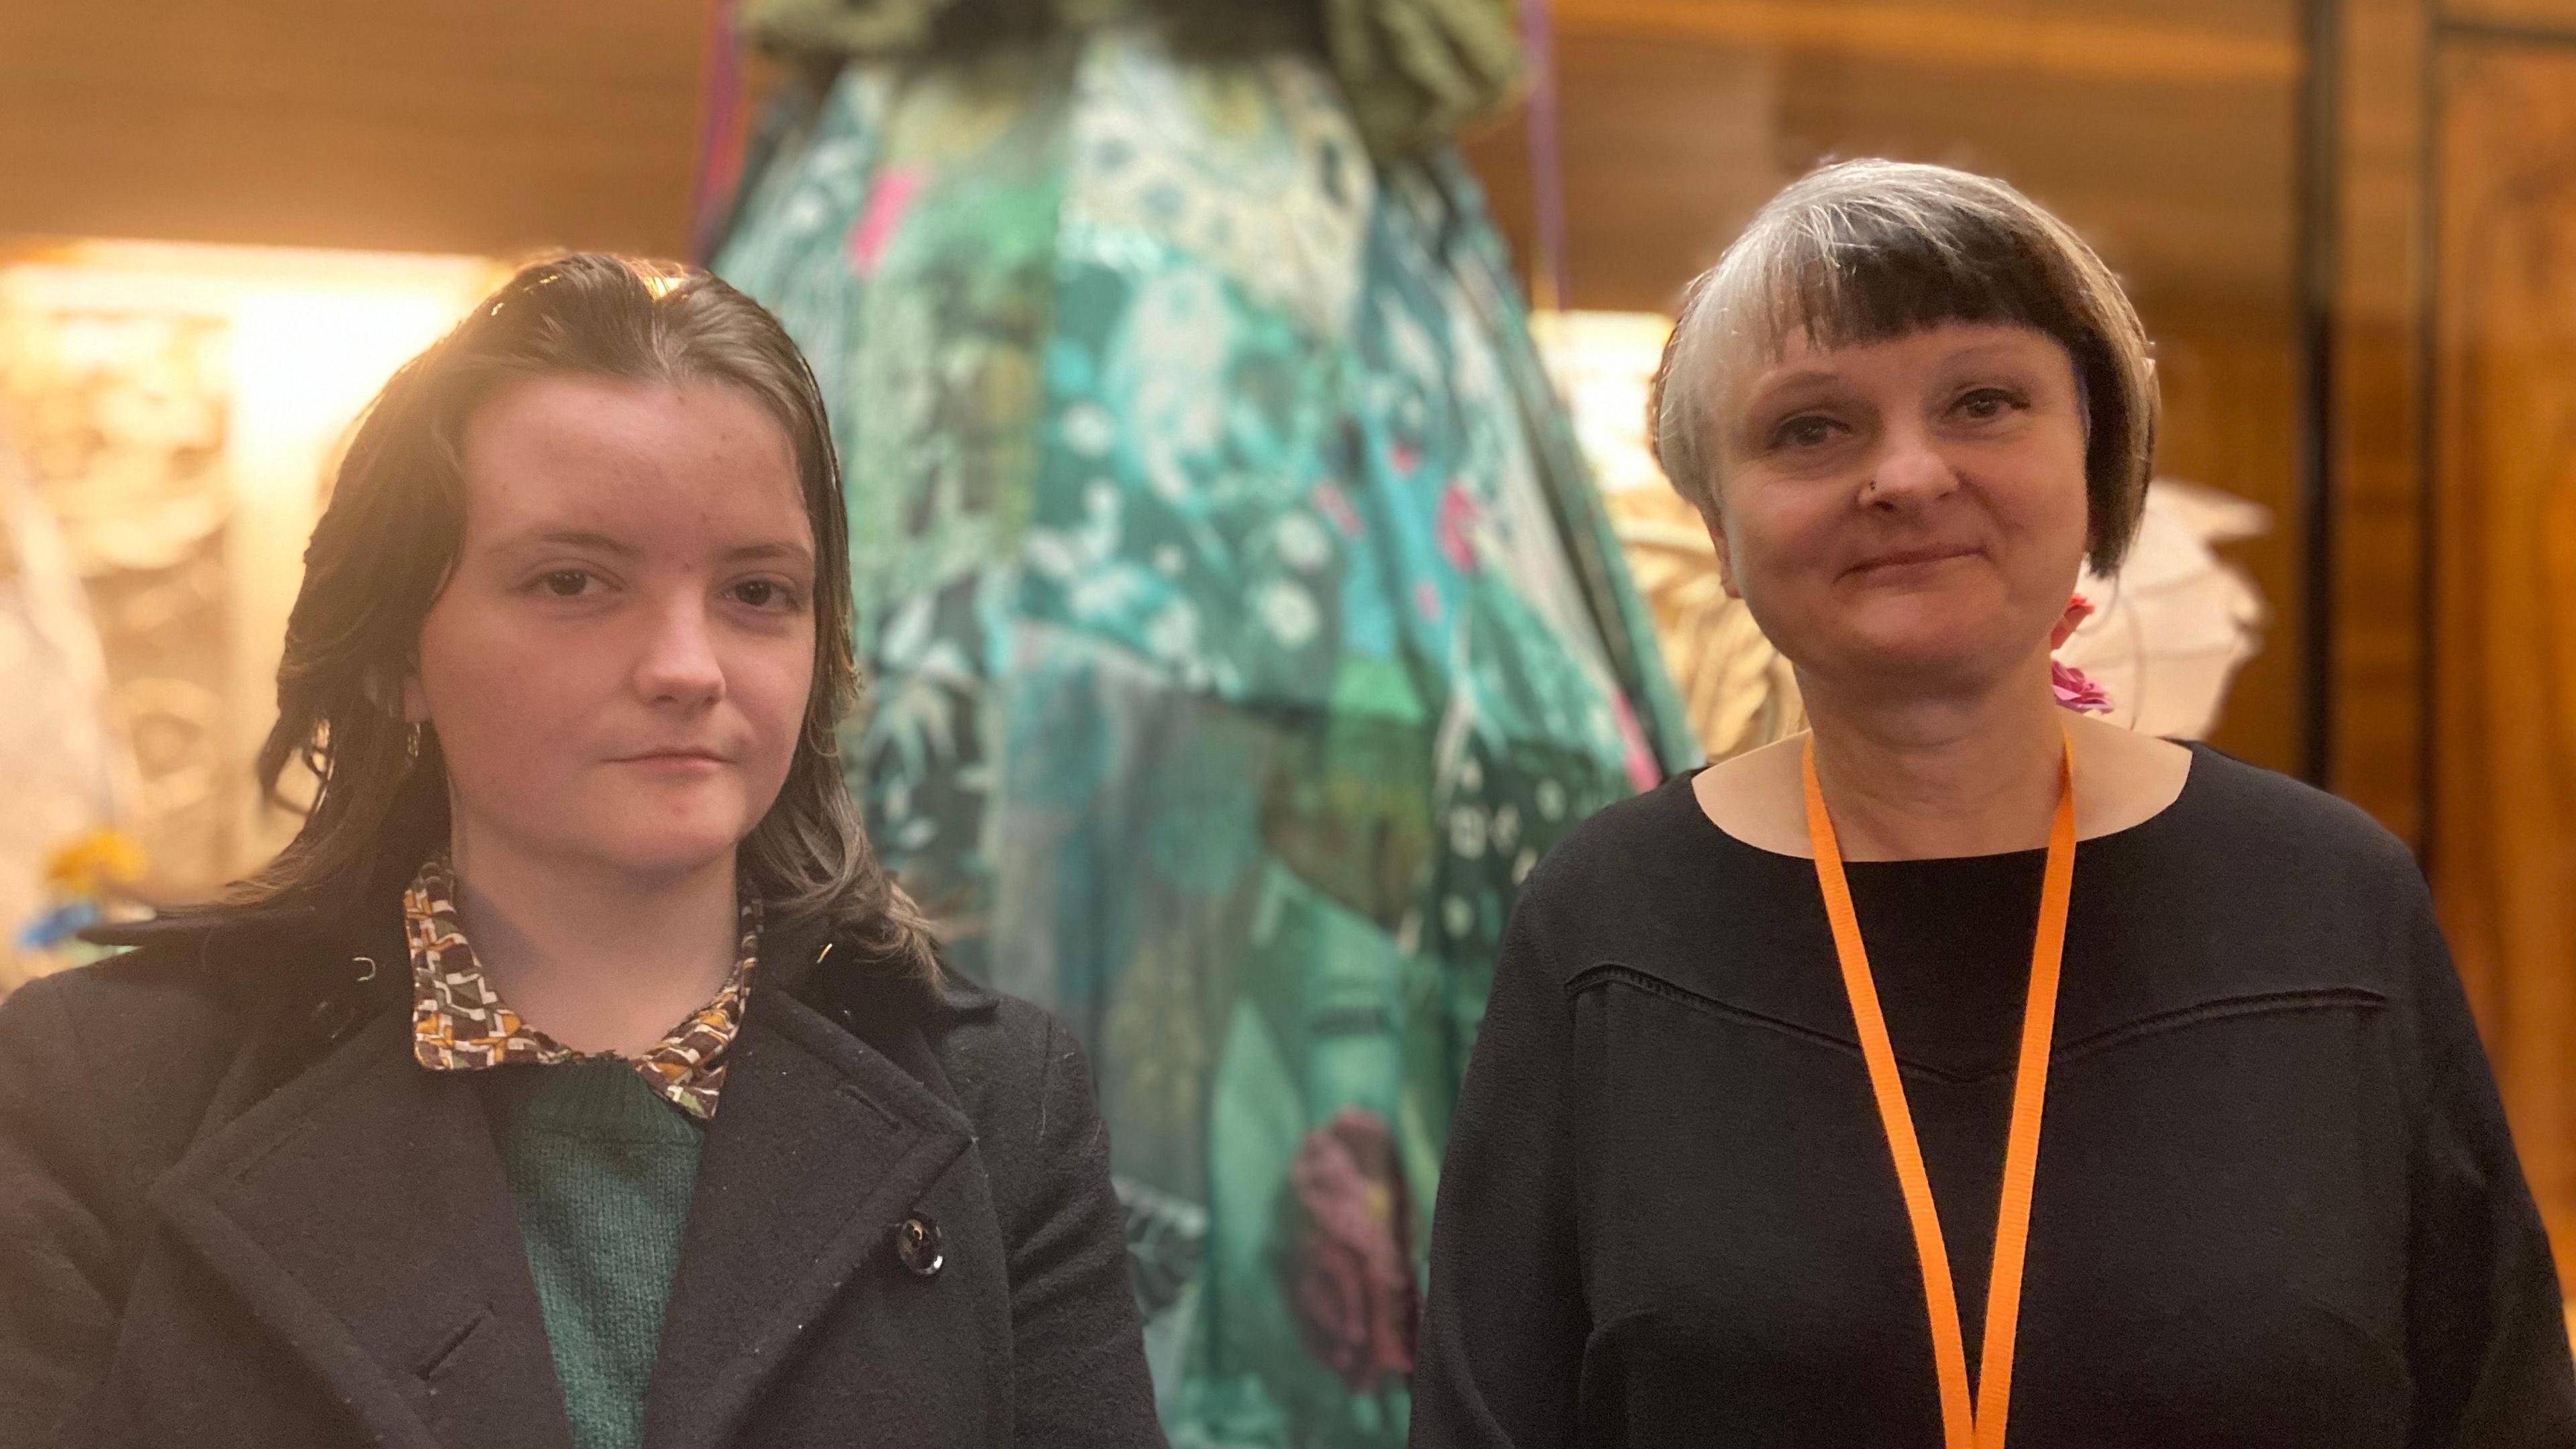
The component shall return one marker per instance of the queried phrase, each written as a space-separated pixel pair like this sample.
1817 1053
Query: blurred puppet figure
1242 624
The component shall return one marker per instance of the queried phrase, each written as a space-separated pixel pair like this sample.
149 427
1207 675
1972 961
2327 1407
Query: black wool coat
235 1212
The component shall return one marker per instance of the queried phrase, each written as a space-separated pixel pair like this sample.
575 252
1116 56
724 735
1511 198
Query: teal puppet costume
1241 622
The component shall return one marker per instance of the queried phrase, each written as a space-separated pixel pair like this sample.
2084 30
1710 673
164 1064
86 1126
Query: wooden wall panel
2191 42
2544 15
2376 438
433 125
2504 843
1668 149
2233 403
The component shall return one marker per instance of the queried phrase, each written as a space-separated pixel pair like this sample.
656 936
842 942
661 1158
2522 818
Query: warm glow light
1604 363
306 339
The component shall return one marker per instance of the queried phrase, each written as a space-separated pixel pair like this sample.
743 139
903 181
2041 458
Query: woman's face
618 665
1907 513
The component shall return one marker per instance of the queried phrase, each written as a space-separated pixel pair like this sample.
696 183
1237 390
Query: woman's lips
676 760
1912 558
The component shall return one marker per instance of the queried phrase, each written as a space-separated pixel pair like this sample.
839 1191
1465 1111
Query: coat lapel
361 1212
820 1145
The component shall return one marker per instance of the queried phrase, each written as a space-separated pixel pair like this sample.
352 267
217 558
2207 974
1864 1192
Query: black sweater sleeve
1503 1329
2487 1335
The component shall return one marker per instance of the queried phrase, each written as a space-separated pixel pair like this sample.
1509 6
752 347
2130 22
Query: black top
2276 1201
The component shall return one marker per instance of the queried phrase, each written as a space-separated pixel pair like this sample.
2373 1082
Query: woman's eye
1988 403
566 583
1807 430
765 594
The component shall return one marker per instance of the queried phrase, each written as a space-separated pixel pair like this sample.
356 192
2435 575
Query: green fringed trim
1416 71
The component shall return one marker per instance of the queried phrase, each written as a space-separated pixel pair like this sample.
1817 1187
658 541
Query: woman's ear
1715 522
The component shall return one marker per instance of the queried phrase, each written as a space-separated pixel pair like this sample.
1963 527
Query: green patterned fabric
1416 71
1242 628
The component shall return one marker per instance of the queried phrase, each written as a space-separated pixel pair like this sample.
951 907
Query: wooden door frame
2391 692
2371 266
2367 239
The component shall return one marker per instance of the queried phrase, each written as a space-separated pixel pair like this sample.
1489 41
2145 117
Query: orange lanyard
1978 1422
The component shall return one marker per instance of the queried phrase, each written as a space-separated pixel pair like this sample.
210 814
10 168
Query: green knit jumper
601 1168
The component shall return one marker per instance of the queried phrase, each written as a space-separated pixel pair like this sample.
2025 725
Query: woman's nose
1909 469
679 662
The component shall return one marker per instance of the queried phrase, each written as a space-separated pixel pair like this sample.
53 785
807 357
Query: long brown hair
389 537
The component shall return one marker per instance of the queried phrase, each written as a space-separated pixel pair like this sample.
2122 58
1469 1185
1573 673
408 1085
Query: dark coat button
918 1245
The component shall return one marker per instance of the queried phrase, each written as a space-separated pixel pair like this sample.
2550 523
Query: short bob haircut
387 543
1866 251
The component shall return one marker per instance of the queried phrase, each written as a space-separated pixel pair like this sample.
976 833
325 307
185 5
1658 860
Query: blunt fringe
1865 251
388 538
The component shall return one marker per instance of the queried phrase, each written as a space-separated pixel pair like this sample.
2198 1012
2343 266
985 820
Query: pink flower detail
2077 692
1427 600
892 196
1330 503
1457 514
1349 1266
2074 690
1405 458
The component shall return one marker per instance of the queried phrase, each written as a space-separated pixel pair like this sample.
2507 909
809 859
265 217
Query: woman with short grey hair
1967 1067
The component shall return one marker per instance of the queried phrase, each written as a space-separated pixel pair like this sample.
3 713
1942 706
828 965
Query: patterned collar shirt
460 1023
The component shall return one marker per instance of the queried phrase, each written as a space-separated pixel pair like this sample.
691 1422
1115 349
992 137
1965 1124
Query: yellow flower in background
92 862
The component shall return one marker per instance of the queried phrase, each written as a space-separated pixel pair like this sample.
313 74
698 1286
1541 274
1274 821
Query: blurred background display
168 411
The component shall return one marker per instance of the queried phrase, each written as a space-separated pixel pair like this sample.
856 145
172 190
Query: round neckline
2200 754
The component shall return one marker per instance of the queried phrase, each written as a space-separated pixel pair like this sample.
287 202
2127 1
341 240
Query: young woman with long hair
576 1077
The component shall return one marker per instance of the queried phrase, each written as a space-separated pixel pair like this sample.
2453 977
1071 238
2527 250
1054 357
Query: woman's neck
1921 778
595 957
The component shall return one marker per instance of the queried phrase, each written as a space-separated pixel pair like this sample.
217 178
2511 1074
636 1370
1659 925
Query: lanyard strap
1966 1422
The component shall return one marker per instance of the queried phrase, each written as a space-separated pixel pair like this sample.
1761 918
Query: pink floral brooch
2074 690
